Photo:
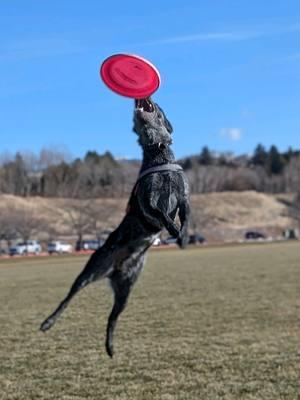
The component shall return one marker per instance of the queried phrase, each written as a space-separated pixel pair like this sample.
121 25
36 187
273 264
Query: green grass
209 323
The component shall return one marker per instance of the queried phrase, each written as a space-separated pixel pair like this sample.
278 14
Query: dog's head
151 124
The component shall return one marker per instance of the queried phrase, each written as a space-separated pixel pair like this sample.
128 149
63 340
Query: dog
160 193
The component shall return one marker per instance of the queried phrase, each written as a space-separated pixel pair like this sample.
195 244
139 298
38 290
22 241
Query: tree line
54 173
269 171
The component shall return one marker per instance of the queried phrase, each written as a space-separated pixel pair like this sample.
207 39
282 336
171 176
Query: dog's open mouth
144 105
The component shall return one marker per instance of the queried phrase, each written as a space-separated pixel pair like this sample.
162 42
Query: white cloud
254 32
210 36
28 48
233 134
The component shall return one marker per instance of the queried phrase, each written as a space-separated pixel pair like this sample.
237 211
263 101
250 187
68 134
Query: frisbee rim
123 91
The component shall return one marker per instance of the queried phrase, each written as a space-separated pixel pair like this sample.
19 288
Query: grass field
209 323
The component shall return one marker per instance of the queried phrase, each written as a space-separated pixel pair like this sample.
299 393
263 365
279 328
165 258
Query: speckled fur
153 205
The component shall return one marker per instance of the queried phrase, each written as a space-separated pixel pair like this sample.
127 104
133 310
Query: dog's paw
109 349
46 325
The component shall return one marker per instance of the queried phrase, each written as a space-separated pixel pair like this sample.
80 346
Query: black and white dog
160 193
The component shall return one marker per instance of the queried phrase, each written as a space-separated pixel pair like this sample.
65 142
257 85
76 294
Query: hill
221 216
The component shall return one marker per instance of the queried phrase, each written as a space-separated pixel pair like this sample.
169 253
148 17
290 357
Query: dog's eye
159 116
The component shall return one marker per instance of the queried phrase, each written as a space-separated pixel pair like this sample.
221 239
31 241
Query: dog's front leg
161 219
170 225
167 222
157 216
184 213
166 205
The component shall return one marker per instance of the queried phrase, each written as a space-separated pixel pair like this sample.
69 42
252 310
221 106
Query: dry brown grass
209 323
219 216
54 210
227 215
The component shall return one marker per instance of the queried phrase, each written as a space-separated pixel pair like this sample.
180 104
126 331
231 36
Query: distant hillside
218 216
227 215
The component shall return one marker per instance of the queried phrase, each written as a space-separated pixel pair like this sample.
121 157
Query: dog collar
159 145
160 168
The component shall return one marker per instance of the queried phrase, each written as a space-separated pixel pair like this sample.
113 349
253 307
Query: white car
157 242
28 247
59 247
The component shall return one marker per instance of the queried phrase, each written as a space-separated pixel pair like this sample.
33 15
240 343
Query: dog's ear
166 121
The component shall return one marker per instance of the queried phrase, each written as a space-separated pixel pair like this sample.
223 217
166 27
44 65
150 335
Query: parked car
170 240
290 234
28 247
59 247
157 242
254 235
88 245
196 238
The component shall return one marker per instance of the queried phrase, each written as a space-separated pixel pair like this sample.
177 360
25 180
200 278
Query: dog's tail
98 267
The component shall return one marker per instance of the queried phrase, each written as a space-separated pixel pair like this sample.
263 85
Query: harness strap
160 168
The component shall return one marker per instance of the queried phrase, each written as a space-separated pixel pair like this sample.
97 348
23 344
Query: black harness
151 170
159 168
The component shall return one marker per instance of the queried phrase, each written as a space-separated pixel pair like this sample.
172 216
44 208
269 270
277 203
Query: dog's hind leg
95 269
121 293
121 286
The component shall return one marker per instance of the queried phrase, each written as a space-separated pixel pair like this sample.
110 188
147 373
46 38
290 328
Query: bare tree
294 208
78 219
5 158
20 223
27 223
292 175
53 156
99 216
8 232
240 179
31 161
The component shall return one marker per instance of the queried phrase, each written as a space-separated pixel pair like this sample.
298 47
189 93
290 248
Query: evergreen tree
260 156
276 162
289 154
205 157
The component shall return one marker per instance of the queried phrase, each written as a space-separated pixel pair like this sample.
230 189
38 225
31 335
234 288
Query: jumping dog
160 193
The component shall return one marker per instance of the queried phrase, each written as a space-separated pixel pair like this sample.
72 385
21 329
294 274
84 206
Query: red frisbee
130 76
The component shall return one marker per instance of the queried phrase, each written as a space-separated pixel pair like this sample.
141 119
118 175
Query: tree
292 175
99 215
15 177
78 219
28 223
53 156
8 232
275 161
187 163
294 208
260 156
205 157
20 223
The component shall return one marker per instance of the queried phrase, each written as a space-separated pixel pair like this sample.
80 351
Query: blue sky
230 73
